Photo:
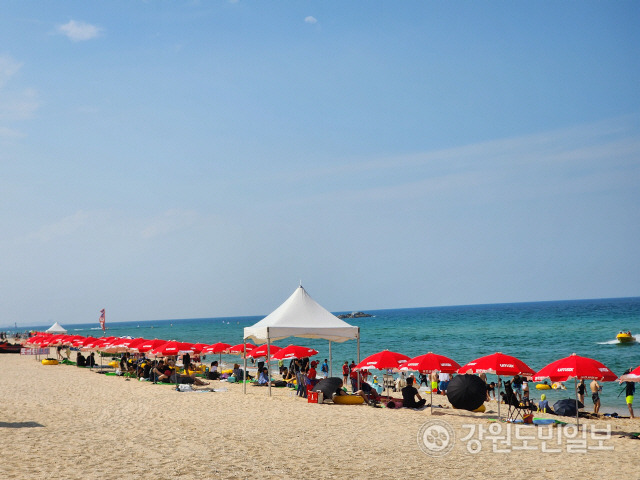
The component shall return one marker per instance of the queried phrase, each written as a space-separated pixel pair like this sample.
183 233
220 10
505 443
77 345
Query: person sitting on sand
238 373
163 372
543 406
289 377
263 378
80 360
368 393
340 390
191 378
409 394
91 360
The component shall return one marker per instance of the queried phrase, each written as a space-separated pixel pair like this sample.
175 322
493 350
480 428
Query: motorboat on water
625 337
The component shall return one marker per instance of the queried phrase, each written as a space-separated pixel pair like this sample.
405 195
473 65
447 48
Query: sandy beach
66 422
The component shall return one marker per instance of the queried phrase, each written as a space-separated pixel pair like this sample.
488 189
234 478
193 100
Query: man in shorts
630 389
595 395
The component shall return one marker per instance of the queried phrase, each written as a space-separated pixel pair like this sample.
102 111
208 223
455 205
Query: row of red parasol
573 366
163 348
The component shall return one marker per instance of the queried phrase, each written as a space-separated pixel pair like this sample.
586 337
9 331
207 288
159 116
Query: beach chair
516 407
388 382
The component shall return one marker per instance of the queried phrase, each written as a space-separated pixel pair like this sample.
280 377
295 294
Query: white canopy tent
300 316
56 328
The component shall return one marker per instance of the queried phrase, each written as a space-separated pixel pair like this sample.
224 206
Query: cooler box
312 397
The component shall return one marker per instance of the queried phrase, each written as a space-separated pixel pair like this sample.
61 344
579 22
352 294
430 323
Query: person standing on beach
630 389
345 372
581 388
595 396
325 368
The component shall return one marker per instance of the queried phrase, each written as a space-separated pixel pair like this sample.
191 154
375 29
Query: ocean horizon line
10 328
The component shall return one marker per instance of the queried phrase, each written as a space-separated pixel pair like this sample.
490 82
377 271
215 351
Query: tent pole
244 384
358 373
330 361
268 361
577 417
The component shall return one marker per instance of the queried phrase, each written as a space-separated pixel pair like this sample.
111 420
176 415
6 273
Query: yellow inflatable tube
543 386
49 361
348 399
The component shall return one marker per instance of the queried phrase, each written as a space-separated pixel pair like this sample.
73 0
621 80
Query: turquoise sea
537 333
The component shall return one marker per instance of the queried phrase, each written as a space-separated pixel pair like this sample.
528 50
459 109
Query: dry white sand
71 423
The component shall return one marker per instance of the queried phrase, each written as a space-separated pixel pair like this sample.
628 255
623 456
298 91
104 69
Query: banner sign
34 351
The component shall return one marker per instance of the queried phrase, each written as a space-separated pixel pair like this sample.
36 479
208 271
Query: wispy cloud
79 31
15 103
8 68
170 221
593 157
62 228
311 20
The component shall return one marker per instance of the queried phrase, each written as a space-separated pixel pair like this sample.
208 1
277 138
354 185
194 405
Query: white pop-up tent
300 316
56 328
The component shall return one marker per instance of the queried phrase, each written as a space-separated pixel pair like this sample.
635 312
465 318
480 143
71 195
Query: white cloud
10 133
62 228
8 68
15 103
79 31
311 19
170 221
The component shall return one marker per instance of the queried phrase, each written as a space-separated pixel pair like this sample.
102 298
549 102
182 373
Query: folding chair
388 382
516 407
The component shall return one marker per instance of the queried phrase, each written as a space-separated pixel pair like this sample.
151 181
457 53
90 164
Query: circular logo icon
436 438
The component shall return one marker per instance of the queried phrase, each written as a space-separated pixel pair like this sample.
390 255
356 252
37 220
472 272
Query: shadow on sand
20 425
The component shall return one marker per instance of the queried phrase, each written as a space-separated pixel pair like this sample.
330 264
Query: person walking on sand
595 396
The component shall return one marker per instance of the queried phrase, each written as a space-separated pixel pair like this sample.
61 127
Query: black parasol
467 391
328 386
566 407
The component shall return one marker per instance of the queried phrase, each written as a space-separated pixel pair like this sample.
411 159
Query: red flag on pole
102 318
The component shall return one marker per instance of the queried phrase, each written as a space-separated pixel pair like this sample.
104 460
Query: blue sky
195 159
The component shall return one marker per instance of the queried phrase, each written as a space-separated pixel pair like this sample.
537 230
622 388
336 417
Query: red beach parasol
499 364
240 348
632 376
576 367
171 348
431 362
293 351
261 351
216 348
383 360
144 347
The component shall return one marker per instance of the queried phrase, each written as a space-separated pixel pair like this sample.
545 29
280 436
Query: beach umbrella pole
431 393
577 417
498 398
330 361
